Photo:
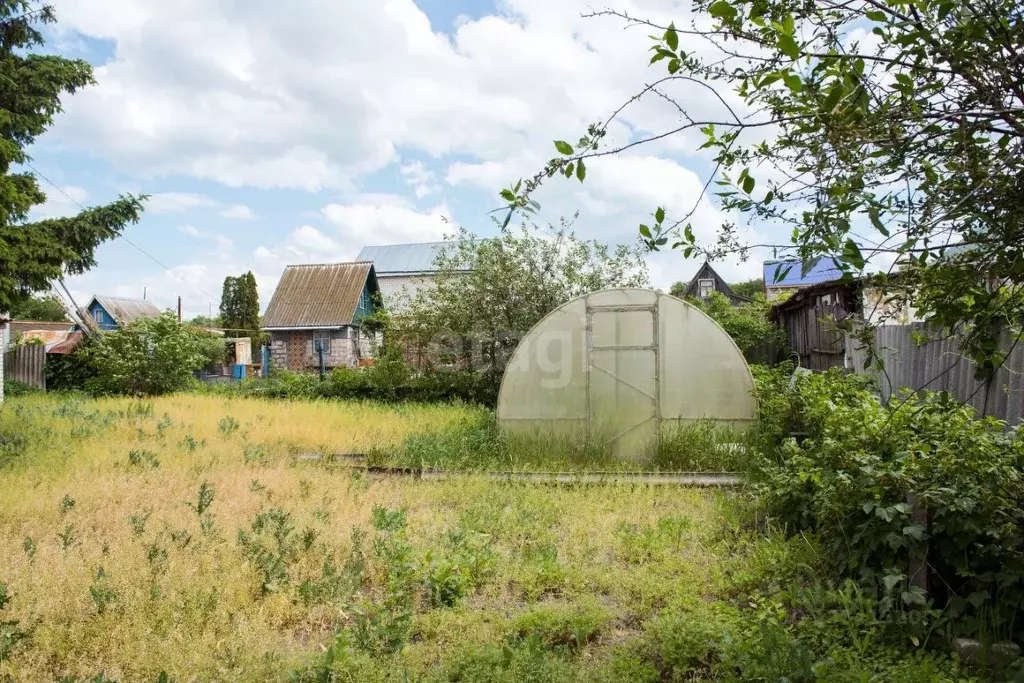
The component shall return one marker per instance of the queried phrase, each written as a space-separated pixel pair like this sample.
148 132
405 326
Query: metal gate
623 386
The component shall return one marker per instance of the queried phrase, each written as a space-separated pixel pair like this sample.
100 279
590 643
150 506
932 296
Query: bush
389 379
851 479
148 356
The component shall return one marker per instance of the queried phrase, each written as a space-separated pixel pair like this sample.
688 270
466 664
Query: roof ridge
407 244
338 263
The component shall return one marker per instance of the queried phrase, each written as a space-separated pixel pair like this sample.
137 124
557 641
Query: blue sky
269 134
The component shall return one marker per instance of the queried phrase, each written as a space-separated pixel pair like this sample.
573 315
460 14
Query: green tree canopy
873 130
749 288
42 308
489 292
240 303
31 85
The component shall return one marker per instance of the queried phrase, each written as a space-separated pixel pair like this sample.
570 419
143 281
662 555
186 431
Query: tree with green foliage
33 253
240 303
42 308
150 356
206 321
489 292
749 288
869 130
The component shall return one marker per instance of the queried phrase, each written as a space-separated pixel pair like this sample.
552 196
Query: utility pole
143 293
179 309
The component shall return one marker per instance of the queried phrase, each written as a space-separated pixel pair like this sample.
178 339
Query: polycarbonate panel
617 365
706 374
623 398
611 328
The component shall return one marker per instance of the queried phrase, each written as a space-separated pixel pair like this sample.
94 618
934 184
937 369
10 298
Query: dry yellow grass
96 591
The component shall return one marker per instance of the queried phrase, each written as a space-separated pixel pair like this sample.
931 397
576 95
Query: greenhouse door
622 378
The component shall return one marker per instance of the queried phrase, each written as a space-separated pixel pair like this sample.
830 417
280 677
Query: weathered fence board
916 360
25 364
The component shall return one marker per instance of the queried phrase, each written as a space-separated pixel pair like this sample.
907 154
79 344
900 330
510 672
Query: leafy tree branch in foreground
876 131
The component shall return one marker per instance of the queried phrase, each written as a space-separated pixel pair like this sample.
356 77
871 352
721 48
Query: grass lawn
181 536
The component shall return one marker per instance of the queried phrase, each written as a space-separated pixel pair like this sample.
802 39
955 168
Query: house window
321 339
97 315
705 287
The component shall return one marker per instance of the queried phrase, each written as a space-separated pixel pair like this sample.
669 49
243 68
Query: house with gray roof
404 268
321 306
110 313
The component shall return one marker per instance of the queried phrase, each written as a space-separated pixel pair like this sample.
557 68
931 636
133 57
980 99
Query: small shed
707 281
809 319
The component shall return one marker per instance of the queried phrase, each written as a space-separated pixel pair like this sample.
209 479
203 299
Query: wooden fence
25 364
915 360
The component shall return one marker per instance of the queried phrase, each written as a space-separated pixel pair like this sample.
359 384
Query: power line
137 247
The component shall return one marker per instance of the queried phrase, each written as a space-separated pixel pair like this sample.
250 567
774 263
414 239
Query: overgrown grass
475 442
161 541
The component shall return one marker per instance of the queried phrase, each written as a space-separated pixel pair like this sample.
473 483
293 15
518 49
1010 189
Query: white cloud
314 95
238 211
386 220
305 97
170 202
622 192
370 219
420 178
189 230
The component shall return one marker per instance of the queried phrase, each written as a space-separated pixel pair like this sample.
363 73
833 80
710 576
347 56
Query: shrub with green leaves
150 356
852 479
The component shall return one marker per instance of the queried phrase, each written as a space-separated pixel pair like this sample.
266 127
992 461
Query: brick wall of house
294 350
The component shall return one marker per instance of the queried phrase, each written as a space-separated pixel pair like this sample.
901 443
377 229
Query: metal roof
124 311
822 271
404 259
318 295
68 345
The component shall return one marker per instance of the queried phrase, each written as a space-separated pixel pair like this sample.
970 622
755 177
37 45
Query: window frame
325 337
705 281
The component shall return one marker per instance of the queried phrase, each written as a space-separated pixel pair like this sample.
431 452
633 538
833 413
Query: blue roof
403 259
822 271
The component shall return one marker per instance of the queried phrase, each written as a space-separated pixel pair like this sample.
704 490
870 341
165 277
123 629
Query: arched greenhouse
618 366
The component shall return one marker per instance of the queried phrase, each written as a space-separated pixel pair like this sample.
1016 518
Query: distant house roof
124 311
319 295
822 271
404 259
706 272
